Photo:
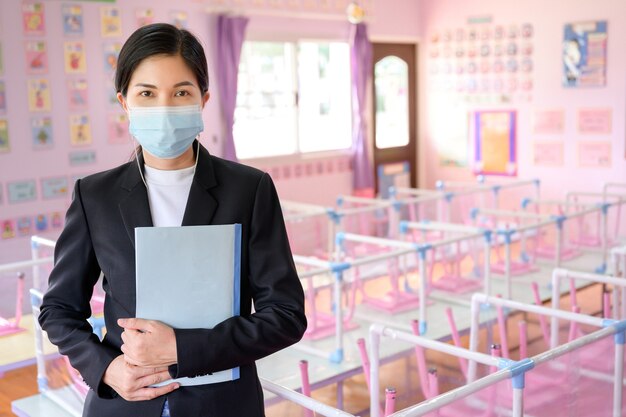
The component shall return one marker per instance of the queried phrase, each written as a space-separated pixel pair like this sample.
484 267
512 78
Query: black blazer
99 236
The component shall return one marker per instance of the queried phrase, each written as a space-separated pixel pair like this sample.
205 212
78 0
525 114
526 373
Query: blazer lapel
135 208
201 205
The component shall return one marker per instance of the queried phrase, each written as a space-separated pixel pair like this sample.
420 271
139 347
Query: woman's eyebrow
145 85
180 84
183 83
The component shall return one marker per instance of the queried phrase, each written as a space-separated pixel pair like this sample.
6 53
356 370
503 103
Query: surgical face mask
165 132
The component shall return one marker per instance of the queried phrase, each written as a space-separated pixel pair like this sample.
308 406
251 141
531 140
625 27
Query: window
391 80
292 98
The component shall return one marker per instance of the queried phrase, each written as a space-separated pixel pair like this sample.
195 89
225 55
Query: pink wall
314 178
548 19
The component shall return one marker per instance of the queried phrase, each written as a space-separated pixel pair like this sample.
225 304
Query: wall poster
495 142
584 54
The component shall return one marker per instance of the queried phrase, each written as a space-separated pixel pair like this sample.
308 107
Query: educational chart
110 22
75 59
495 142
483 62
3 98
595 121
41 128
548 122
77 94
4 136
111 52
33 18
548 153
118 128
39 95
72 19
80 130
584 54
144 17
36 57
594 154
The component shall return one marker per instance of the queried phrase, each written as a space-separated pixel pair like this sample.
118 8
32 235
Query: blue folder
188 278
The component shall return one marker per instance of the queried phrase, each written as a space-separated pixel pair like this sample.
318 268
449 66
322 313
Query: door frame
419 162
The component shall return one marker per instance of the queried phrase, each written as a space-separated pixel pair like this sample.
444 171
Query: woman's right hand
133 382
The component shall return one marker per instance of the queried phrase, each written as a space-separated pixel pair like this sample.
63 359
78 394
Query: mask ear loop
139 166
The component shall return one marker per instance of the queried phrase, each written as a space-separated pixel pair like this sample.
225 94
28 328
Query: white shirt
168 191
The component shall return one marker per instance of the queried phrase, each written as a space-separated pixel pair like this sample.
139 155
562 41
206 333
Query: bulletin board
495 142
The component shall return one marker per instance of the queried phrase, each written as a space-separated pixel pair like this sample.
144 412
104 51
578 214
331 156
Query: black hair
160 39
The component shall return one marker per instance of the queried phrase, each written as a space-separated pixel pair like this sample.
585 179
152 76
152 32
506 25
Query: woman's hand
148 343
133 382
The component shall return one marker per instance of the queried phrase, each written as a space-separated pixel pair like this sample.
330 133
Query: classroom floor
400 374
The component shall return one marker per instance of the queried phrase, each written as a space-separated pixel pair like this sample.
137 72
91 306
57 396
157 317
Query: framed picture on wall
3 98
495 142
77 94
39 95
110 22
74 56
33 18
4 136
584 54
41 128
36 57
72 19
80 130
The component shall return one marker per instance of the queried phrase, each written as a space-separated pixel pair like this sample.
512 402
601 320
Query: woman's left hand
148 342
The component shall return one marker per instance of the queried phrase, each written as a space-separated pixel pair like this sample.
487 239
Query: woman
162 83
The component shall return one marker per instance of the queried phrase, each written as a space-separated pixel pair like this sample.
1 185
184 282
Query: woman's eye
182 93
145 93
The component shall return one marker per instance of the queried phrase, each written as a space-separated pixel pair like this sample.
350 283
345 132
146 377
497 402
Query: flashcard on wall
111 95
80 130
41 128
74 57
36 57
82 158
179 19
8 229
144 17
594 154
110 22
118 128
548 153
39 95
24 226
584 54
22 191
595 121
56 220
77 94
72 19
4 136
33 19
111 52
41 222
3 98
54 187
1 60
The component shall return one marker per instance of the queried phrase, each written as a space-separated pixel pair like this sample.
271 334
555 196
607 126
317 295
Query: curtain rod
281 13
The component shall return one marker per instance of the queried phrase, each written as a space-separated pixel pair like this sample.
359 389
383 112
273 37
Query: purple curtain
361 64
230 35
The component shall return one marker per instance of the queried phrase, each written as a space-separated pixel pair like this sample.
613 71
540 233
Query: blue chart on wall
584 54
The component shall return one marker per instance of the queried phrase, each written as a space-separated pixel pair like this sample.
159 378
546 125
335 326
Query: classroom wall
444 113
317 178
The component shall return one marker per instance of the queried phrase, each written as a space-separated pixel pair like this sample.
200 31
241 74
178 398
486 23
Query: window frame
299 155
